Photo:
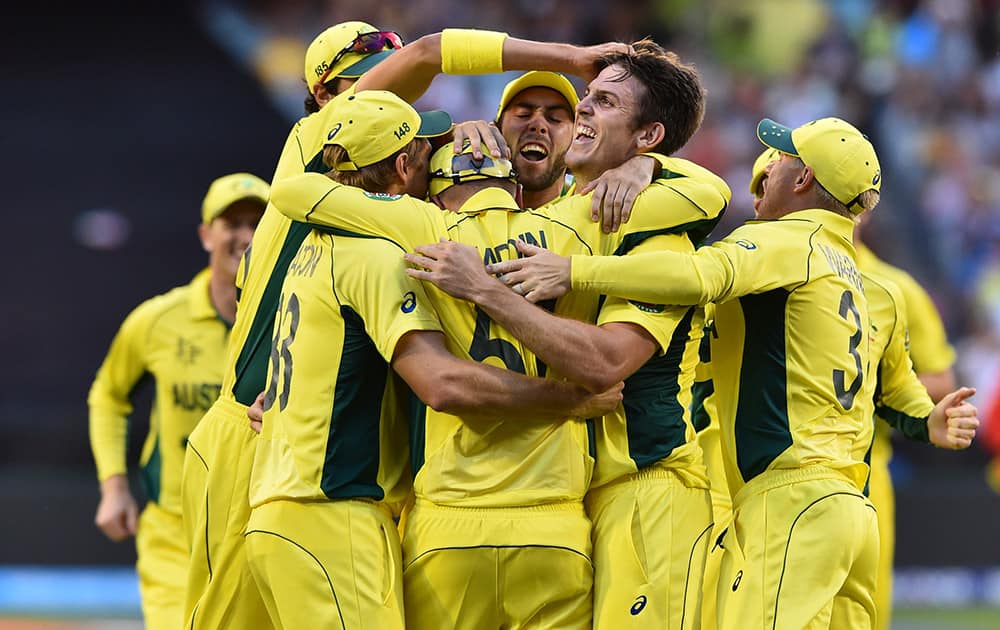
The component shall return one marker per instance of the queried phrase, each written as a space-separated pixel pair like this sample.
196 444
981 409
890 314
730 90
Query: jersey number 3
846 395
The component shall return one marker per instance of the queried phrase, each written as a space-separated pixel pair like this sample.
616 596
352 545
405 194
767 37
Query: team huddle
488 375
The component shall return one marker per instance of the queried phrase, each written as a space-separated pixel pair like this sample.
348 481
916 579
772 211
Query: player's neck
222 293
538 198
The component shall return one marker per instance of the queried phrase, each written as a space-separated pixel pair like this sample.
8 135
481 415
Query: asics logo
333 132
736 583
638 605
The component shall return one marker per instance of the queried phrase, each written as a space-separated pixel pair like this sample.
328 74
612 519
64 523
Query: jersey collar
489 199
200 300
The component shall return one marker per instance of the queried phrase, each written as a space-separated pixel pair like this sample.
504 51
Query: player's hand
454 268
585 59
616 189
540 275
478 133
256 413
953 422
596 405
117 513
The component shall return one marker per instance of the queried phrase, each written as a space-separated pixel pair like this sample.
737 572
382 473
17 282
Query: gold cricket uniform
930 353
178 339
333 455
220 589
789 365
469 473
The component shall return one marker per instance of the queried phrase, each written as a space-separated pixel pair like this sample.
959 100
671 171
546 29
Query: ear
650 136
805 180
203 234
402 166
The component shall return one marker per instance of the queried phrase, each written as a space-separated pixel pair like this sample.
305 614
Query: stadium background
116 117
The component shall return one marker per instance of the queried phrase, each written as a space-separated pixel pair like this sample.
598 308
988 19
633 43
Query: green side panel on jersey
251 366
418 432
762 427
700 392
352 447
654 417
696 231
913 428
150 473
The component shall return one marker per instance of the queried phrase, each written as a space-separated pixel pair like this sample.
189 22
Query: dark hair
672 94
375 177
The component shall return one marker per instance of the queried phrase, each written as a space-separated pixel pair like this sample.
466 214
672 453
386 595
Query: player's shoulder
692 182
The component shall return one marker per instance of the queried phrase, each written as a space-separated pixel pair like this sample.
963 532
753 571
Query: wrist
115 484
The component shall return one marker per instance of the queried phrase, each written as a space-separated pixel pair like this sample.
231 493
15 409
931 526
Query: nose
538 123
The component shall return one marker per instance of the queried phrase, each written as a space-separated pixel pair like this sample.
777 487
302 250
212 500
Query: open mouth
584 133
534 152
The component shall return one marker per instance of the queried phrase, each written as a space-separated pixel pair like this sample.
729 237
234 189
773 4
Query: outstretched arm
467 388
409 71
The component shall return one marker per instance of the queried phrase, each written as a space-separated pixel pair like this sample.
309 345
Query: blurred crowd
920 77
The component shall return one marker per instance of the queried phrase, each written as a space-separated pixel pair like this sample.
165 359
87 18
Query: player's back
792 357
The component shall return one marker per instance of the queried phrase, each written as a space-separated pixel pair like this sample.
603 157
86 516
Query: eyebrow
547 108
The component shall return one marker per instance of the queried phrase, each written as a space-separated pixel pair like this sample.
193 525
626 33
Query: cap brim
434 123
367 63
776 136
542 79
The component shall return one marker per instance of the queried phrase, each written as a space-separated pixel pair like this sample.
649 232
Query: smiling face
228 235
605 135
538 127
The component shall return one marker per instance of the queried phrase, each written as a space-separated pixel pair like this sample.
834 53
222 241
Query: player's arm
738 265
316 199
109 406
933 357
409 71
470 389
904 401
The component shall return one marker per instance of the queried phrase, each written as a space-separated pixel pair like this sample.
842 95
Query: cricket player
789 364
220 592
178 339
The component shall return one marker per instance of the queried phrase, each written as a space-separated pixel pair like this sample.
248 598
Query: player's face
776 187
605 135
228 235
418 177
538 127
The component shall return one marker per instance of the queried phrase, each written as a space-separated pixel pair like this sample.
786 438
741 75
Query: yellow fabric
228 189
329 429
929 347
883 497
327 45
329 564
789 296
517 469
469 568
179 340
651 535
220 591
801 553
469 51
162 568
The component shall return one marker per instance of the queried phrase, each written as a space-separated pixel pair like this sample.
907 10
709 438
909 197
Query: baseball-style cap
538 78
841 157
331 43
448 168
229 189
373 124
757 173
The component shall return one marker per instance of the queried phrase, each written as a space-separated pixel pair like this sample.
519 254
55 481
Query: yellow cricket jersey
331 428
275 242
792 354
179 340
928 344
507 463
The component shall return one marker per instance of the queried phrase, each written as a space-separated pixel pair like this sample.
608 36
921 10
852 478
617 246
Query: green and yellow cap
757 173
329 45
448 168
229 189
538 78
371 125
841 157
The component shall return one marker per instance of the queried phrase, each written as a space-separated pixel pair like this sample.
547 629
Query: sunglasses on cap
466 167
365 44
